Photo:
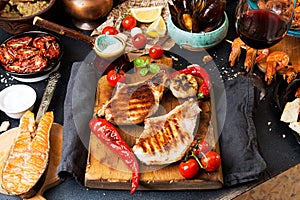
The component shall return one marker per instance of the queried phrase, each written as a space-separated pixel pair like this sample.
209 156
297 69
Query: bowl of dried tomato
31 54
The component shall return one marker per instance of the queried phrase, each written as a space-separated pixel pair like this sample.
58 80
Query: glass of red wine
263 23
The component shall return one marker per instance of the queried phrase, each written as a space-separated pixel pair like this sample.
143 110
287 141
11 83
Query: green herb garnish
146 67
138 62
144 71
154 68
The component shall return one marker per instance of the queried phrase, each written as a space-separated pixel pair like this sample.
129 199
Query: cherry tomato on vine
109 30
129 22
200 147
156 51
115 76
189 168
211 161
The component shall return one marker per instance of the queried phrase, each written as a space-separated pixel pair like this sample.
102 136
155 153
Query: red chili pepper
109 136
199 71
203 91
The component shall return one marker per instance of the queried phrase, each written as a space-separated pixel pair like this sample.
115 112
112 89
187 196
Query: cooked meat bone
132 103
166 138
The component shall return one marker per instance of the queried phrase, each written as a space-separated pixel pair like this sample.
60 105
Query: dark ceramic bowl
285 92
198 41
15 25
51 64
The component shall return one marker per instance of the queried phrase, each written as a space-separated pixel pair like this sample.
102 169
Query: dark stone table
276 142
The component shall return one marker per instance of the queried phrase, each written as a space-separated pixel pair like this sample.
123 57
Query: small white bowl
109 47
15 100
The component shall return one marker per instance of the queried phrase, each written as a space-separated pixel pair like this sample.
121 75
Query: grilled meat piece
166 138
132 103
184 86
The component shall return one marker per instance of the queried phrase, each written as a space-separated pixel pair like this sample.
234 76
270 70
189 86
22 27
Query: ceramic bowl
198 41
15 25
109 47
15 100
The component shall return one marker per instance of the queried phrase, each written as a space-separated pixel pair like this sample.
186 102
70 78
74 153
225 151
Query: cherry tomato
200 147
156 51
109 30
189 168
115 76
129 22
139 41
211 161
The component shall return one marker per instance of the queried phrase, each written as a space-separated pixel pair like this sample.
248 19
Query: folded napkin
241 161
76 132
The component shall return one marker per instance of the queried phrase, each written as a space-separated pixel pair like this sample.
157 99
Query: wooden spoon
96 43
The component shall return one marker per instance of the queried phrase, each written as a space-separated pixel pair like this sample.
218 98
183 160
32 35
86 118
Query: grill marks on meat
132 103
141 102
166 138
161 138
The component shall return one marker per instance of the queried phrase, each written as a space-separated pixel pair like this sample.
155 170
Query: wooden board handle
51 26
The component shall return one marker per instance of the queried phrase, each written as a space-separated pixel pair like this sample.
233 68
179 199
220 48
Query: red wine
261 28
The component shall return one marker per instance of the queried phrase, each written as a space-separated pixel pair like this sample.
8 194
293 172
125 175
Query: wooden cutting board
106 171
6 140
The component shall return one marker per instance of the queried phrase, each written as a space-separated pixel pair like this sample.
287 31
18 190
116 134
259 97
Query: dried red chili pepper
199 71
109 136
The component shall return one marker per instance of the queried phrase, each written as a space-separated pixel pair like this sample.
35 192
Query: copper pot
86 14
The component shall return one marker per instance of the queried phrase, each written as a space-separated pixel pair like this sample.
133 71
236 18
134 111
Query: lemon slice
157 28
146 14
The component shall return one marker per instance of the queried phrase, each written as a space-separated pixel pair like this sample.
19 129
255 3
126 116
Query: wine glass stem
253 61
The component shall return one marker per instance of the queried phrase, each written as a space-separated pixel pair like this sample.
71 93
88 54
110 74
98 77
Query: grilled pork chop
132 103
166 138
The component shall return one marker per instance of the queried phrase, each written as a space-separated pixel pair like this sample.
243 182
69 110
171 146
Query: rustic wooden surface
106 170
283 186
291 46
52 179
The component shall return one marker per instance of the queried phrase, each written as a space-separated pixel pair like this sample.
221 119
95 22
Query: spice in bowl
109 46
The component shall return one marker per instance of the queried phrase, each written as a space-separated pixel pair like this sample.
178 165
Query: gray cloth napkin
241 161
74 153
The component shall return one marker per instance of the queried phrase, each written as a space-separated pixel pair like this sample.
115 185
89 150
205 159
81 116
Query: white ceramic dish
15 100
109 47
35 79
